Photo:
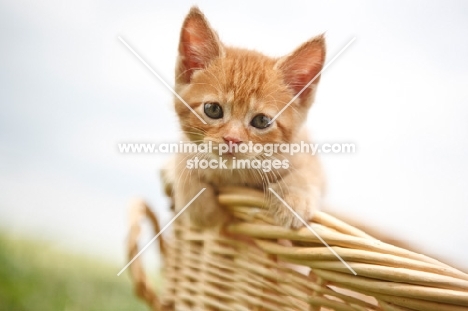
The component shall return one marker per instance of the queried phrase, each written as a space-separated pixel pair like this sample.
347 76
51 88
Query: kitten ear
303 65
199 45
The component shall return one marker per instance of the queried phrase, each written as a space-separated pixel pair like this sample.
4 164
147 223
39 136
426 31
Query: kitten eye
260 121
213 110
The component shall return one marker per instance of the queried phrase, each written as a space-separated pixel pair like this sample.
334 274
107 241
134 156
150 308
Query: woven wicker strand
253 264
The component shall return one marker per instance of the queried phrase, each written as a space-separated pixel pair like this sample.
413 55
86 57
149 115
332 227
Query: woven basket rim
397 278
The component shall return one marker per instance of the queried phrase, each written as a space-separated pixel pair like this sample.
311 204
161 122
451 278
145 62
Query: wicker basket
252 264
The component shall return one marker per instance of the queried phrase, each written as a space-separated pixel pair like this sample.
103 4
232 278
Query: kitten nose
230 139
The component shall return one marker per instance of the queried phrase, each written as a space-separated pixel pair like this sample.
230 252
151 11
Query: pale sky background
70 91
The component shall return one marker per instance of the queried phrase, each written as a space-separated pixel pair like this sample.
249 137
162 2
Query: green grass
35 276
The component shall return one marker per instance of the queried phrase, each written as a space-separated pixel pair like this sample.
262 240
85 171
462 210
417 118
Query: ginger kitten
237 92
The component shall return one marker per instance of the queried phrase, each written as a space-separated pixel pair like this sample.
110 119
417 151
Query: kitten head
238 92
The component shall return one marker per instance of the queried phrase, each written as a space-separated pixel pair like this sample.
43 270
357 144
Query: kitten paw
207 213
204 211
302 203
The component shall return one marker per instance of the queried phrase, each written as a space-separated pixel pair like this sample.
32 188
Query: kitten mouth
228 155
232 155
225 155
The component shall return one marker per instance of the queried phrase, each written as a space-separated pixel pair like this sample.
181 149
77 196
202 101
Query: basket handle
139 211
